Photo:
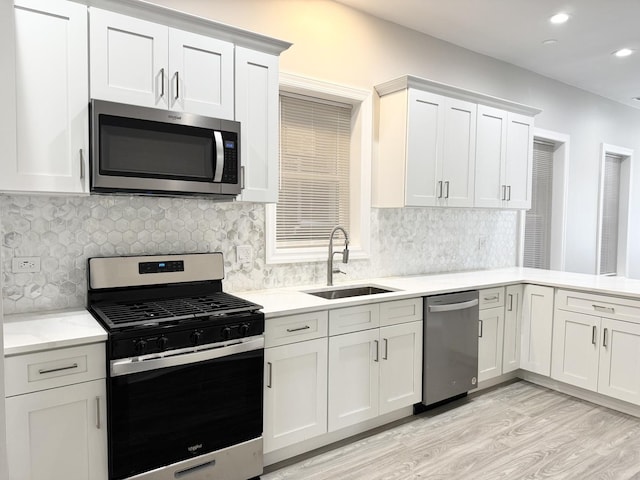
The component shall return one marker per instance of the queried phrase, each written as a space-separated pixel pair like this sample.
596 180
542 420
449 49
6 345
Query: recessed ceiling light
549 41
623 52
559 18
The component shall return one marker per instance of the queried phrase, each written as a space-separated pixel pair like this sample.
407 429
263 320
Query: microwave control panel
231 167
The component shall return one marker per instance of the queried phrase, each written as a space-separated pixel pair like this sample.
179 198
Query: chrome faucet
345 254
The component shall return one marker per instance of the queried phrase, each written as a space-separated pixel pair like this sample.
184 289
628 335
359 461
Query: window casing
359 185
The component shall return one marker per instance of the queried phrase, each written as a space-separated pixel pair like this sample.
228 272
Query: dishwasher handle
450 307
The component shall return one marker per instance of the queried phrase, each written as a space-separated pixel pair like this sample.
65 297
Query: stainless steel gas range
185 368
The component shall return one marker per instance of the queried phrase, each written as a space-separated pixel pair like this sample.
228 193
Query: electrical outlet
244 254
25 265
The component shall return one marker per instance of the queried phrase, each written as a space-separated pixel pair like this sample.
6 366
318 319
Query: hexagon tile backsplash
65 231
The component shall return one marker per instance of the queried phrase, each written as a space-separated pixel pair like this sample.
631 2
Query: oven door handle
128 366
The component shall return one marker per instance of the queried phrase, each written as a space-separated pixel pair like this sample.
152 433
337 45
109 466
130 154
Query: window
610 215
314 170
325 170
537 241
613 210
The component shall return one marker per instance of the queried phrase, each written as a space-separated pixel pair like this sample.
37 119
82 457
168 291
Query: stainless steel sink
345 292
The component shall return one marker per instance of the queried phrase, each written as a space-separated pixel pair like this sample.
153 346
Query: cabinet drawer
54 368
354 319
491 298
295 328
400 311
601 305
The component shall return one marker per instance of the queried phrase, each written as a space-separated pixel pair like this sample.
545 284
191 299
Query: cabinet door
58 433
512 316
537 326
200 74
519 160
128 59
490 188
354 366
490 339
619 373
459 153
51 99
257 109
576 349
425 136
295 394
400 366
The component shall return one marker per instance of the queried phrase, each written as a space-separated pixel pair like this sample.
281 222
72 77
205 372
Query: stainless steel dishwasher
450 346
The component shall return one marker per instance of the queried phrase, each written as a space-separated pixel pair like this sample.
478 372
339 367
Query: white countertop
25 333
293 300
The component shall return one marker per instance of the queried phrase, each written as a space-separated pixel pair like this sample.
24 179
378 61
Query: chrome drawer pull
306 327
492 298
600 308
43 371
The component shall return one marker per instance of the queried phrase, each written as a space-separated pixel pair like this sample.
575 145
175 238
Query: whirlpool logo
194 448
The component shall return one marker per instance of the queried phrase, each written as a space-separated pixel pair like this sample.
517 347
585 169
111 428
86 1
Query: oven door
171 409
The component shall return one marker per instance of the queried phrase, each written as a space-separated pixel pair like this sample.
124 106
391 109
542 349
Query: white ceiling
513 31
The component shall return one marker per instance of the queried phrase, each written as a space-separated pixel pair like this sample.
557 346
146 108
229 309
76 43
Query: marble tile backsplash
65 231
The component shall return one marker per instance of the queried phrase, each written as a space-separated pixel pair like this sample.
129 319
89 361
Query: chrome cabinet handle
81 164
604 338
481 328
377 358
98 424
177 86
306 327
593 335
508 193
161 82
446 184
385 356
242 177
440 189
600 308
44 371
270 367
510 308
504 192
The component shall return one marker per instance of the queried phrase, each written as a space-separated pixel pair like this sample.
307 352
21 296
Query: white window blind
537 233
610 214
314 170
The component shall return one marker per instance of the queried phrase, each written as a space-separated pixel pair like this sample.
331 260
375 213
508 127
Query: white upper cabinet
148 64
257 111
440 145
504 159
427 150
51 99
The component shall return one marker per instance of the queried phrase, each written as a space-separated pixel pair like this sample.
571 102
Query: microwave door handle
217 176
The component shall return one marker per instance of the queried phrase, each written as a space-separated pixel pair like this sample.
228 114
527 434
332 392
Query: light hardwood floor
516 431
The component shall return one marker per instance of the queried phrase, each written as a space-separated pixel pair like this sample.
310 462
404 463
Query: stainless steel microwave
139 150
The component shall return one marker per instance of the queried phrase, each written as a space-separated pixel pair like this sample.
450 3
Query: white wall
336 43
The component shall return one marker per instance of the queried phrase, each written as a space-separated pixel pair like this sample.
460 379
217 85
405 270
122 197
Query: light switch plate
244 254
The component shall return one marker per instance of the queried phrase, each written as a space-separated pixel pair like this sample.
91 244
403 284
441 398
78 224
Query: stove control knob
226 333
140 346
196 337
244 329
163 343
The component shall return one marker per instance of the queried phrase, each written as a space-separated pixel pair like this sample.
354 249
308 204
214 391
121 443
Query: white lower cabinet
512 316
598 354
537 327
58 434
295 402
56 414
373 372
490 341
